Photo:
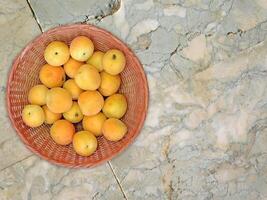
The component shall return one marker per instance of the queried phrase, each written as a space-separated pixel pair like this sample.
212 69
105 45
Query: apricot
94 123
114 129
96 60
81 48
37 95
87 77
58 100
114 61
52 76
50 117
56 53
33 115
73 88
109 84
84 143
115 106
71 67
62 132
74 115
90 102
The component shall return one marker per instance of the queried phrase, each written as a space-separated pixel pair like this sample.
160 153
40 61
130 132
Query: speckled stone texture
205 136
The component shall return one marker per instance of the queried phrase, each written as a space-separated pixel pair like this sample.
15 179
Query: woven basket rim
15 63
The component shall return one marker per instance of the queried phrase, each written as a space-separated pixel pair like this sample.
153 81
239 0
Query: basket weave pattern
24 75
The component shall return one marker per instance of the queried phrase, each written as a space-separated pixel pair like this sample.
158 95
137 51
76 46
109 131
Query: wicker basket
24 75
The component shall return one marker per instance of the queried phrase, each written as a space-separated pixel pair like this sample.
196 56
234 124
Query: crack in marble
34 15
114 6
68 12
59 181
95 195
166 179
239 32
19 161
117 180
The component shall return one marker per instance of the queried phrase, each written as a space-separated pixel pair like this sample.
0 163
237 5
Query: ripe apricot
52 76
50 117
73 88
84 143
81 48
109 84
90 102
58 100
62 132
114 129
33 115
96 60
56 53
37 95
71 67
114 61
94 123
74 115
115 106
87 77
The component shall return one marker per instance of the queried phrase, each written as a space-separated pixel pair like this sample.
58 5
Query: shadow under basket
24 75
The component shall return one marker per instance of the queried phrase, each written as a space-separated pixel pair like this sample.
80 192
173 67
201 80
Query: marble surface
205 136
18 27
38 180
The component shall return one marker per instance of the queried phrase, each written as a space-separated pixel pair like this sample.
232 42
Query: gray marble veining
205 135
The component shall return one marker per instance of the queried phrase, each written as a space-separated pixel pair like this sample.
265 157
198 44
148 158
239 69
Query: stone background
205 136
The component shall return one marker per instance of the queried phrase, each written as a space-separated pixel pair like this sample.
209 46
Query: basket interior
24 75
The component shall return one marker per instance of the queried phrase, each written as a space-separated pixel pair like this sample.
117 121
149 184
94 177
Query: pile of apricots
79 84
